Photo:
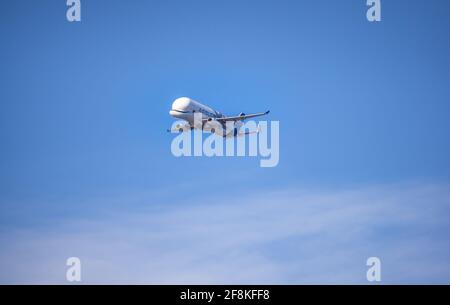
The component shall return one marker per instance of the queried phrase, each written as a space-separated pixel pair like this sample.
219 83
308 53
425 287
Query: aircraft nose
181 103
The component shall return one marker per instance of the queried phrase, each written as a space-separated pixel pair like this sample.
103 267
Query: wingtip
268 111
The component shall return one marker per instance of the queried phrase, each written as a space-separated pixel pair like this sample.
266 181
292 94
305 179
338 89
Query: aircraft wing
180 127
241 117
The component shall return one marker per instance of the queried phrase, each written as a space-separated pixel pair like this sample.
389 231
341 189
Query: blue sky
363 110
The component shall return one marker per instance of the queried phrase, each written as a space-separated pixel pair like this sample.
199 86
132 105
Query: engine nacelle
179 127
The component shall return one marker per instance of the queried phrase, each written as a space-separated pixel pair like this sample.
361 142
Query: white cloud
286 236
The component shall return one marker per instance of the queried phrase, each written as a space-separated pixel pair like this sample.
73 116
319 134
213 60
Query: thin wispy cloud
286 236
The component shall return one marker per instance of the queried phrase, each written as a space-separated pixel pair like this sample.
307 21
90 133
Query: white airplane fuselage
184 108
207 118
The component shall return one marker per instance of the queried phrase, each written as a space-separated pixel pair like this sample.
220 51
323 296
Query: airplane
185 108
